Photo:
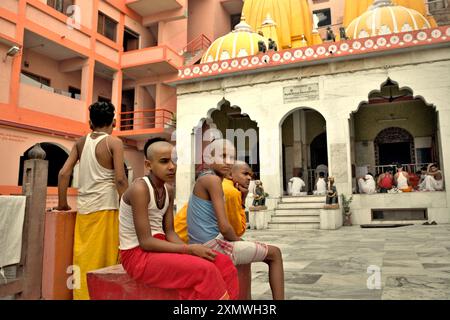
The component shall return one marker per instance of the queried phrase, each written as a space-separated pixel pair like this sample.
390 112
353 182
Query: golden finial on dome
381 3
243 26
268 21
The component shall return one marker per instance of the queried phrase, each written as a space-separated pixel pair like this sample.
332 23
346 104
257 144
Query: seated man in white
367 184
297 186
321 185
434 180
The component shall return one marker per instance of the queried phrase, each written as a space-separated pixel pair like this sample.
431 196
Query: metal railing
200 43
146 119
409 167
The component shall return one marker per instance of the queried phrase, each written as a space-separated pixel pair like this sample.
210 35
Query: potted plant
346 207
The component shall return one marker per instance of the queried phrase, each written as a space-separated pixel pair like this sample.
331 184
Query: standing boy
102 181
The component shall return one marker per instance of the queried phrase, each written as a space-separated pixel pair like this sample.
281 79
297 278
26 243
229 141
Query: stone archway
394 145
56 157
304 145
227 121
393 126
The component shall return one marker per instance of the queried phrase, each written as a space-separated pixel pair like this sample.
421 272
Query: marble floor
411 262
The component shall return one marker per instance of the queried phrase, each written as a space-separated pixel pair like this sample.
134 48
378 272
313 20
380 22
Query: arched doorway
393 126
304 146
394 145
319 150
56 157
229 122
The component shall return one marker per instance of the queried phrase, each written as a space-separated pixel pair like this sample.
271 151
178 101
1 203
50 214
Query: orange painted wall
49 68
145 36
5 75
173 34
11 5
102 87
209 18
17 142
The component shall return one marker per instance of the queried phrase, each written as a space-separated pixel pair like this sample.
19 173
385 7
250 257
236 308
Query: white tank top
97 189
402 181
127 232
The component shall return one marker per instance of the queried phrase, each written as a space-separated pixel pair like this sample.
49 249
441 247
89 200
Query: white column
185 166
270 161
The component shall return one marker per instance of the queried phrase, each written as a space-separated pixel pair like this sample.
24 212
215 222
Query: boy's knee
274 253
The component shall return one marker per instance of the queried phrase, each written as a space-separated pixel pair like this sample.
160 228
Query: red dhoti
195 278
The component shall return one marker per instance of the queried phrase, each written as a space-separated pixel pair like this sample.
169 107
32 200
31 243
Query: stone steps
296 219
307 199
305 205
293 226
297 213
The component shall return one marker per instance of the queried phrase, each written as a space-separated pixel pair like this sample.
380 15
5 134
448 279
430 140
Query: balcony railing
410 167
202 42
27 80
146 119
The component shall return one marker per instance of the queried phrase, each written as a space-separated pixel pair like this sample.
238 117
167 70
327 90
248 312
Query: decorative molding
324 53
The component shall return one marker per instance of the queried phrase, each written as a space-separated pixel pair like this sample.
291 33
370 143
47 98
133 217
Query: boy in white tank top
102 181
152 253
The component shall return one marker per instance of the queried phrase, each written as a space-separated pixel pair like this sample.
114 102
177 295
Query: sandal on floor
426 223
433 223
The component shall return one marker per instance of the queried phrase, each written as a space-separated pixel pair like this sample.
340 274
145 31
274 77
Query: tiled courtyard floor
414 262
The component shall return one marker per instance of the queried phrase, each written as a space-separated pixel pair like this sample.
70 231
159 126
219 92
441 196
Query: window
130 40
60 5
75 93
324 16
107 26
37 78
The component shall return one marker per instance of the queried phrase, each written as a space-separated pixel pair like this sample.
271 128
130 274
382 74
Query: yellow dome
293 19
385 18
354 8
241 42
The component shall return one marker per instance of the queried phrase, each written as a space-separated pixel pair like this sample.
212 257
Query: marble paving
406 263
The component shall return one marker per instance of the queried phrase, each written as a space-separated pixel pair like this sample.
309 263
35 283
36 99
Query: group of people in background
429 178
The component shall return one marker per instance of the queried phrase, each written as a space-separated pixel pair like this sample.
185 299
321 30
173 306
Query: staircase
297 213
195 49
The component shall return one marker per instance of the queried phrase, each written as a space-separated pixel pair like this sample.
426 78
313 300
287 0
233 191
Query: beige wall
420 119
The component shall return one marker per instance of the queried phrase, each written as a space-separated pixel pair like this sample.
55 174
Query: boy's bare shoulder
209 180
115 140
138 187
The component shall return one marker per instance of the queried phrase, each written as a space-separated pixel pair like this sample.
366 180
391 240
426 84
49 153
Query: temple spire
381 3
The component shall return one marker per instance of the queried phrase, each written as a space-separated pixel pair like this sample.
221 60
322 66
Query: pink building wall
208 18
5 74
17 142
46 67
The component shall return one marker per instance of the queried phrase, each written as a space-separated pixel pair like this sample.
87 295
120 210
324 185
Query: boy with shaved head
208 224
235 189
150 250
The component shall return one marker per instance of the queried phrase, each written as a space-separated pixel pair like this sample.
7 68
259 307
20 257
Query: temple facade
348 107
